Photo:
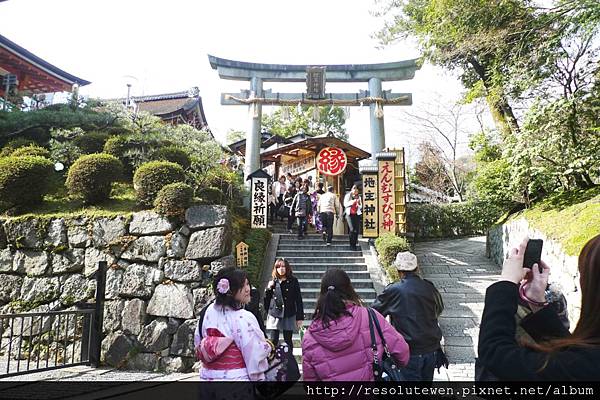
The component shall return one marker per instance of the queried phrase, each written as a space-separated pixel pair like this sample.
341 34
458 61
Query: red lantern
331 161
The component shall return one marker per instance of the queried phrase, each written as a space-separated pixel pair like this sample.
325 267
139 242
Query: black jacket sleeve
382 303
544 324
267 298
299 303
500 352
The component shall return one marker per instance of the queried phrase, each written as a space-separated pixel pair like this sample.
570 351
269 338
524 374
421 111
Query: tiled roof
39 63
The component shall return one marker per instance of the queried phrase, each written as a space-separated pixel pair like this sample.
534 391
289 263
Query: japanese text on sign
299 165
386 196
331 161
370 214
259 203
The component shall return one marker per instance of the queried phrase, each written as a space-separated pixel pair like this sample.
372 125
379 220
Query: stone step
301 245
316 283
309 267
319 274
310 303
335 252
324 260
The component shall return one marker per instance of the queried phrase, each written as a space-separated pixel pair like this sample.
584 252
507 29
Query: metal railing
41 341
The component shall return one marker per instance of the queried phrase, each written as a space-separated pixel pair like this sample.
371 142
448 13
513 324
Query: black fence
41 341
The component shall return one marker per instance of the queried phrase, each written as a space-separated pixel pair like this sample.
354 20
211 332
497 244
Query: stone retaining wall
157 280
564 272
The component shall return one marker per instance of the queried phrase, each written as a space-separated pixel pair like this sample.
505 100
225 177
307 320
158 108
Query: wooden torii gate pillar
256 96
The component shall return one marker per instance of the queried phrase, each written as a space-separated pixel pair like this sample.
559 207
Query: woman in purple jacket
337 345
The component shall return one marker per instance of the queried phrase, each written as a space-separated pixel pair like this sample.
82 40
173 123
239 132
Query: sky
162 47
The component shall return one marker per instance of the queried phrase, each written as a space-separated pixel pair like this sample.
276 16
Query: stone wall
564 273
159 271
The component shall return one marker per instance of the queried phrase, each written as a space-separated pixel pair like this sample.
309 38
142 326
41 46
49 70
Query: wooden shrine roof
316 144
34 74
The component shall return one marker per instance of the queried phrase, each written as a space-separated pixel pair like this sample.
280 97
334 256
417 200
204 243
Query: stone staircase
310 258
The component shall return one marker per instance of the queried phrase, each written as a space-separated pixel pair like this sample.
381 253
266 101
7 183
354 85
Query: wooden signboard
387 202
370 215
241 254
400 190
332 161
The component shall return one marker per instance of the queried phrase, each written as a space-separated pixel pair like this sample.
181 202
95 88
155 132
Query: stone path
462 273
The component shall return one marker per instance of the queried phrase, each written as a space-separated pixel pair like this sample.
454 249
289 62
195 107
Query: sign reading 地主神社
387 203
332 161
370 210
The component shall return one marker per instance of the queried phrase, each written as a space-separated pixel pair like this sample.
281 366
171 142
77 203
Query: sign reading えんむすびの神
387 203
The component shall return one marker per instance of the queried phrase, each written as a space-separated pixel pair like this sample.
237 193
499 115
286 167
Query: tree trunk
502 112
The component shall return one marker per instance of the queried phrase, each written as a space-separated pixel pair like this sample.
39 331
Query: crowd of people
302 202
524 332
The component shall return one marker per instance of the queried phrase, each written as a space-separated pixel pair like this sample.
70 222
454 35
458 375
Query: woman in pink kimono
228 339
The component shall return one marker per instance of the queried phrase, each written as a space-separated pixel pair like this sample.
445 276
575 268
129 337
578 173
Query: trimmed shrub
173 199
92 142
388 246
133 150
32 150
174 154
23 180
91 177
150 177
212 195
14 144
449 220
257 241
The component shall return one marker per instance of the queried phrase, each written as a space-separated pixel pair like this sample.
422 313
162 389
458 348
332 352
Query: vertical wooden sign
370 215
259 203
400 190
387 202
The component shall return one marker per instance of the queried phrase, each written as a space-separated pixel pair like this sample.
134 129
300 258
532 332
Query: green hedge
212 195
23 180
91 177
14 144
32 150
387 246
173 199
257 241
92 142
449 220
174 154
150 177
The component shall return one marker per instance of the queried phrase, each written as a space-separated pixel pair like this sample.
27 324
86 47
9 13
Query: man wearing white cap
414 305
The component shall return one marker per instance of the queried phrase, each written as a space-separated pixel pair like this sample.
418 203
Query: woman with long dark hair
283 299
228 339
337 345
556 354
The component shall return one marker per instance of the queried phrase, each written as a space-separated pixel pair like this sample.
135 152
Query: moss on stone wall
571 218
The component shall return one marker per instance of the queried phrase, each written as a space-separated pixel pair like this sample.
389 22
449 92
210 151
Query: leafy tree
288 121
235 136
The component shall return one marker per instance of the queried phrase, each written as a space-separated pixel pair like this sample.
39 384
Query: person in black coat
283 299
414 305
556 354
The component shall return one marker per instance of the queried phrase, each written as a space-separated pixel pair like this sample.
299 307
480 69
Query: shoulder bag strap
372 313
201 317
373 340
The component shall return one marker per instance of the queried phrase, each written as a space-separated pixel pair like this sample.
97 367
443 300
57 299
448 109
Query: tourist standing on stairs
353 211
337 345
414 305
288 198
277 191
302 207
328 207
283 299
316 220
228 339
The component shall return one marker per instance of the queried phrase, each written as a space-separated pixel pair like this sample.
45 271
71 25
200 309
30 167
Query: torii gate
255 97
